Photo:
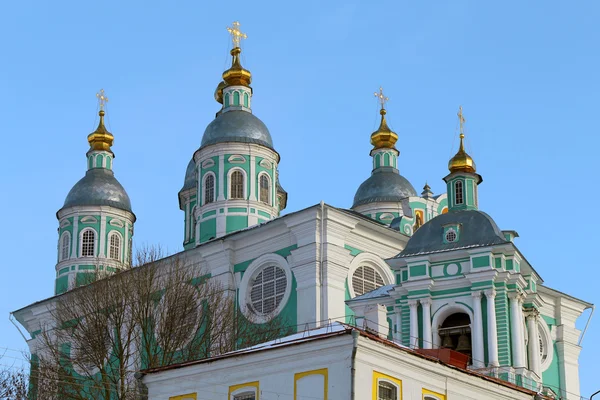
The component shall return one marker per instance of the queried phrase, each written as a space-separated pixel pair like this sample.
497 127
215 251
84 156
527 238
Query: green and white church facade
425 271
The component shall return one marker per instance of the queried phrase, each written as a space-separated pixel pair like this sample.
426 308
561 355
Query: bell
447 342
464 344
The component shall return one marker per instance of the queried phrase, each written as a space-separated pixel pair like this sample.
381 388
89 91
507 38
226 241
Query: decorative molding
116 222
265 164
237 159
88 220
208 163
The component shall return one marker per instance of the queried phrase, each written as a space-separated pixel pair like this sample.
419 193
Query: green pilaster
503 325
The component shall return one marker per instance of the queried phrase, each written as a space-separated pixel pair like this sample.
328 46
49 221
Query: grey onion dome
98 187
384 184
477 229
237 126
190 176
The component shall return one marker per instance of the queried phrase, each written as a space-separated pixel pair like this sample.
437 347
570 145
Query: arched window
245 99
99 160
386 160
88 239
209 188
226 99
237 185
366 279
265 189
458 192
65 245
115 246
387 391
236 98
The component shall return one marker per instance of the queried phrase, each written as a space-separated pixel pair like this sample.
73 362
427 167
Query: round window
178 318
366 279
267 290
450 236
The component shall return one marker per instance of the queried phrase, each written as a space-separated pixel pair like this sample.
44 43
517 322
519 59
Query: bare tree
13 382
164 311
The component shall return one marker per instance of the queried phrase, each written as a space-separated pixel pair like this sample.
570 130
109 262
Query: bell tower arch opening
455 333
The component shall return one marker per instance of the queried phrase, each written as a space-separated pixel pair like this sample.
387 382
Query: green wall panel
208 230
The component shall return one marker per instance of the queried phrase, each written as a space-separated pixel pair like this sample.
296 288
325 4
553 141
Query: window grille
66 243
264 189
267 290
387 391
87 244
209 189
458 189
115 247
450 236
237 185
366 279
245 396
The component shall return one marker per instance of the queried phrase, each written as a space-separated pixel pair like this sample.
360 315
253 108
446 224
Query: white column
477 332
516 331
414 324
534 343
221 183
102 247
427 337
252 178
492 336
75 236
188 220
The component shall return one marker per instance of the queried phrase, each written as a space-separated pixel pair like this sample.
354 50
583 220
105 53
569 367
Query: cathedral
425 271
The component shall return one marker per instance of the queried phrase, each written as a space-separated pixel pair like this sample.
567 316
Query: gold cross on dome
102 99
381 97
461 120
236 34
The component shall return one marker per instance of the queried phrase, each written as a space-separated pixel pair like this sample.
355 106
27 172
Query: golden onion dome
237 75
101 139
461 162
383 137
219 92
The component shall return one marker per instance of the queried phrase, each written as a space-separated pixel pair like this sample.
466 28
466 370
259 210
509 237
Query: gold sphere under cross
236 34
102 99
381 97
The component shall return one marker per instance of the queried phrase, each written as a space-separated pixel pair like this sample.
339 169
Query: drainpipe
593 307
321 316
355 335
11 318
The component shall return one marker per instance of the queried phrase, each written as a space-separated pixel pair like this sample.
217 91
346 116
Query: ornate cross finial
102 99
236 34
381 97
461 120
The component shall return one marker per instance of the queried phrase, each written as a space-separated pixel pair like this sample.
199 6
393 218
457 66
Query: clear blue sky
526 74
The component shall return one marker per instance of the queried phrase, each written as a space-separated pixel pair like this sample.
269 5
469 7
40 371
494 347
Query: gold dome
237 75
101 139
461 162
383 137
219 92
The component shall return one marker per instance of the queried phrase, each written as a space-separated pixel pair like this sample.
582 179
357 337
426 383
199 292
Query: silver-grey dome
98 187
237 126
384 184
190 176
476 229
